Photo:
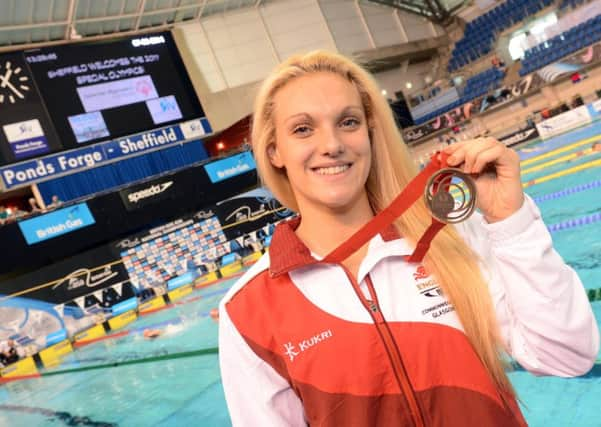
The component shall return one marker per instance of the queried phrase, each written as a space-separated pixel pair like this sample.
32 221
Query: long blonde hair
449 258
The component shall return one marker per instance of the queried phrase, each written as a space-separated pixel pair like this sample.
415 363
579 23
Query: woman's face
322 141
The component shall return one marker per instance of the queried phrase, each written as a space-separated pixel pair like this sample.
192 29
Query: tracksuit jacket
303 343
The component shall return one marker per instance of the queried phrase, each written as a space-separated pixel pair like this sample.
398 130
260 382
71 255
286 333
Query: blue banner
123 306
47 167
594 109
139 143
29 147
230 167
56 223
56 337
182 280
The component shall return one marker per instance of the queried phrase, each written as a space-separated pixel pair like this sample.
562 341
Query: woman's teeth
332 170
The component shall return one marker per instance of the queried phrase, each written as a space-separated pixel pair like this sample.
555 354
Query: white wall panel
241 46
296 26
201 55
382 25
345 24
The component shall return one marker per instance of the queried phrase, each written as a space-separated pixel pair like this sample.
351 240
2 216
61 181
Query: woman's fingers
490 155
471 154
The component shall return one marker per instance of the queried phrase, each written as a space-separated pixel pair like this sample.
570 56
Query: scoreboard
68 96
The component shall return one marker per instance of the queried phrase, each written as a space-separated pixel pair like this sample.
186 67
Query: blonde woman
376 340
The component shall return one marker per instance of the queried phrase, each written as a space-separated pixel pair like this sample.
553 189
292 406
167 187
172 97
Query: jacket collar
287 252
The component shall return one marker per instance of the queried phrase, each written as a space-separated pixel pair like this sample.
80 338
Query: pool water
169 392
169 384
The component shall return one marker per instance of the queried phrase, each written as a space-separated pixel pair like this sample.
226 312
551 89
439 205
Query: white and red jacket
301 342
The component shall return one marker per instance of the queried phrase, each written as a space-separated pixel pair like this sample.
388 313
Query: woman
377 340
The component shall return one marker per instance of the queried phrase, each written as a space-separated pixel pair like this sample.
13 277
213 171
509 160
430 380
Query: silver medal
450 195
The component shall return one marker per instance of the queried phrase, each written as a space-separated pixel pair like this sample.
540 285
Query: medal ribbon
410 194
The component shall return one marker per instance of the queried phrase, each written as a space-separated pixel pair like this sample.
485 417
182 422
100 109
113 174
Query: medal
450 195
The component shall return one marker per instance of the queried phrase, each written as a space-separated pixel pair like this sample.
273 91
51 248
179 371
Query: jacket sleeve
255 393
542 308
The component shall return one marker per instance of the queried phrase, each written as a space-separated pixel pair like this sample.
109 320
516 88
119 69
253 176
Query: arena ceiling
29 23
437 11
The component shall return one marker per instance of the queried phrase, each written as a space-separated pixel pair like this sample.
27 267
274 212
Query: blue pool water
185 391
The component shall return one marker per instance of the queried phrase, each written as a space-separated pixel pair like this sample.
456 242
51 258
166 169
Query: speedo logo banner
149 193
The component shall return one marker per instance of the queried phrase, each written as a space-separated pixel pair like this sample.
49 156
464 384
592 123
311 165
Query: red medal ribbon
410 194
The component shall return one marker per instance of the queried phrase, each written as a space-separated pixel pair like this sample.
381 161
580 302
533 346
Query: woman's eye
301 130
350 122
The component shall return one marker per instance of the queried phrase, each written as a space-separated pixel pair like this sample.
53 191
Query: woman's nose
330 143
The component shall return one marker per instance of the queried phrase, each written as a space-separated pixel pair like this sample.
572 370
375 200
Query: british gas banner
47 167
56 223
231 166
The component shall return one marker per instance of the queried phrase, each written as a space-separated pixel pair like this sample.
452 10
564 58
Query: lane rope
575 222
569 171
562 159
568 191
563 149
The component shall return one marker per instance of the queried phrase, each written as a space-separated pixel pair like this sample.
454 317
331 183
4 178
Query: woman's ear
274 156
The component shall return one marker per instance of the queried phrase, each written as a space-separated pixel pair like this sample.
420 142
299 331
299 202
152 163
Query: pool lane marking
151 359
102 338
569 171
560 150
174 321
561 159
594 372
567 191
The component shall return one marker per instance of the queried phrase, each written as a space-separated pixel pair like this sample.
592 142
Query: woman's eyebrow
346 110
296 116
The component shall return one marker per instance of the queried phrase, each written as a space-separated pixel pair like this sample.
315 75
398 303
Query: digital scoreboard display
25 128
103 90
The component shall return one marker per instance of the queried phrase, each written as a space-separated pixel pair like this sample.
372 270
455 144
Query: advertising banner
231 166
26 138
56 223
47 167
572 63
522 135
248 212
148 193
487 102
564 122
594 109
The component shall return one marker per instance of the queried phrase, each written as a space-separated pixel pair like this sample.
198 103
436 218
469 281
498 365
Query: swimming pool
169 382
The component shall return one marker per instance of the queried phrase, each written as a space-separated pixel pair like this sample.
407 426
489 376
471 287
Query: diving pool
174 380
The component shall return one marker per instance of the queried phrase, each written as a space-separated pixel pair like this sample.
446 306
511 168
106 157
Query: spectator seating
476 86
554 49
481 33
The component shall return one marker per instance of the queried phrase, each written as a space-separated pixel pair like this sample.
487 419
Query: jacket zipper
392 350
